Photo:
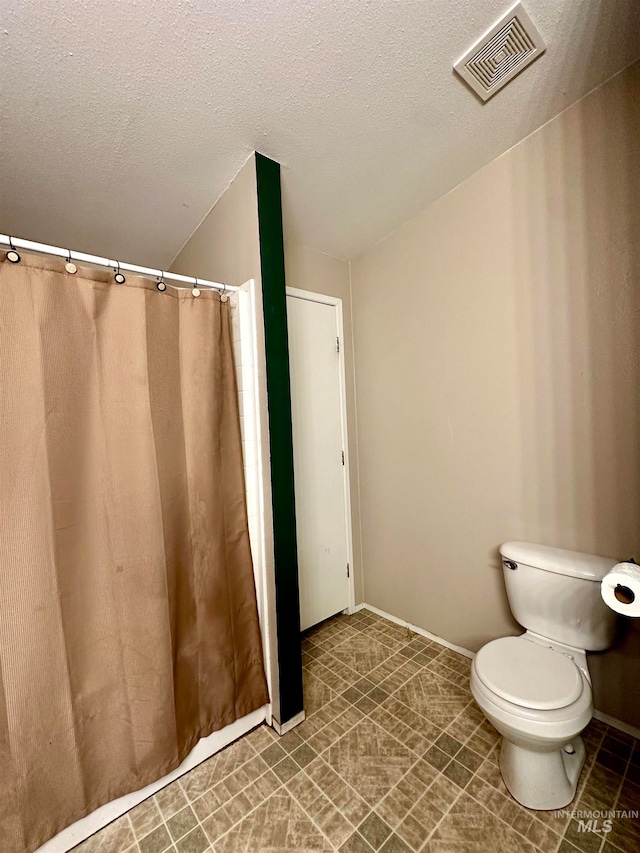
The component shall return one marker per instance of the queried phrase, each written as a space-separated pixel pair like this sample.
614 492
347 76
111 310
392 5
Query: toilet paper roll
620 589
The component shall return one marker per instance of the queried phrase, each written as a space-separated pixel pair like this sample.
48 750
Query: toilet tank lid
572 563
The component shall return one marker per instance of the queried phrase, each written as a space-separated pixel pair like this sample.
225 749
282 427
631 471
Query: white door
318 460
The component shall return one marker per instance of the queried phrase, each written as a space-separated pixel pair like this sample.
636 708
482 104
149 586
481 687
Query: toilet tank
556 593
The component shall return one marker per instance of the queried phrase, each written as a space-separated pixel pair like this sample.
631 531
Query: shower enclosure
132 481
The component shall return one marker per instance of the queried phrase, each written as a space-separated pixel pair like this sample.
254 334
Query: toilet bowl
535 689
539 700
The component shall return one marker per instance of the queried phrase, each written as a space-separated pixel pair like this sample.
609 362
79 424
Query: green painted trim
280 437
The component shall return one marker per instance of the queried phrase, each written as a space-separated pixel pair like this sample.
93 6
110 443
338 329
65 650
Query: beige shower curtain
128 619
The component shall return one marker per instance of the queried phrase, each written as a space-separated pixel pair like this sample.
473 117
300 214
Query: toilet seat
528 675
560 722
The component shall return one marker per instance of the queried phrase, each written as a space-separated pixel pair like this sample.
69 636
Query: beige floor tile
370 759
434 698
361 653
217 824
116 837
321 718
182 823
338 791
468 827
392 636
279 824
260 738
330 733
398 671
219 766
379 751
157 841
194 842
341 669
303 790
600 790
410 717
171 799
317 694
440 668
145 817
327 673
331 821
418 742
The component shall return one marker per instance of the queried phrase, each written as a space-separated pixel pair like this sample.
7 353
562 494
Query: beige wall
497 343
307 269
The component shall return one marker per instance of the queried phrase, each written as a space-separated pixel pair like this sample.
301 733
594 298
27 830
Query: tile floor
393 756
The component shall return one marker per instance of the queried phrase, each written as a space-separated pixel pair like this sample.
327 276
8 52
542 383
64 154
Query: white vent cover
502 52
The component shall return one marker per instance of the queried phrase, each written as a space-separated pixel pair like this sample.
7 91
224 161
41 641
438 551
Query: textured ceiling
123 121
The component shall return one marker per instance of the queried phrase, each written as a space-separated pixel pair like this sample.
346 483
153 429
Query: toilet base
542 780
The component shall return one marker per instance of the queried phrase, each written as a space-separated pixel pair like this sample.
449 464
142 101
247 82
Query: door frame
336 302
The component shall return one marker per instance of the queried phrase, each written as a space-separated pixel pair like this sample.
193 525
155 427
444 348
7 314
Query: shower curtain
128 618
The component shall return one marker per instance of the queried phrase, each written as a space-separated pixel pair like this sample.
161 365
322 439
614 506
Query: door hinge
342 456
337 344
348 571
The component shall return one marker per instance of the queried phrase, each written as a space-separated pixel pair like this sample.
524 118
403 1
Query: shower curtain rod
116 266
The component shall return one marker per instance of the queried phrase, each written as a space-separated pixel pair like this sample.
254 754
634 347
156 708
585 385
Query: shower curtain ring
119 278
195 292
223 296
70 266
12 255
160 283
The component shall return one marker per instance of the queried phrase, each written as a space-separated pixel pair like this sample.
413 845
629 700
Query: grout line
193 811
414 763
619 792
239 821
391 654
133 832
244 817
306 813
290 793
617 724
598 715
320 755
425 666
579 791
409 769
451 805
415 755
561 834
329 651
164 822
417 630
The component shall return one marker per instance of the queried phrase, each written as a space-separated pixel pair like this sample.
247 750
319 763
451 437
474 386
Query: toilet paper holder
623 593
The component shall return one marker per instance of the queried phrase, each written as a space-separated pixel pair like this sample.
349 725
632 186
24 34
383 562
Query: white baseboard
205 748
420 631
290 724
598 715
617 724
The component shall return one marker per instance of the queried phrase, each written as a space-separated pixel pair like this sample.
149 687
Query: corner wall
237 241
497 352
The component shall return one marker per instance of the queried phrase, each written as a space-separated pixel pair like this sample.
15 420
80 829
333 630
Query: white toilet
535 689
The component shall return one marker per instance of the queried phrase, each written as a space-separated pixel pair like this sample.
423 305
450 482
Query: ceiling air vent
502 52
